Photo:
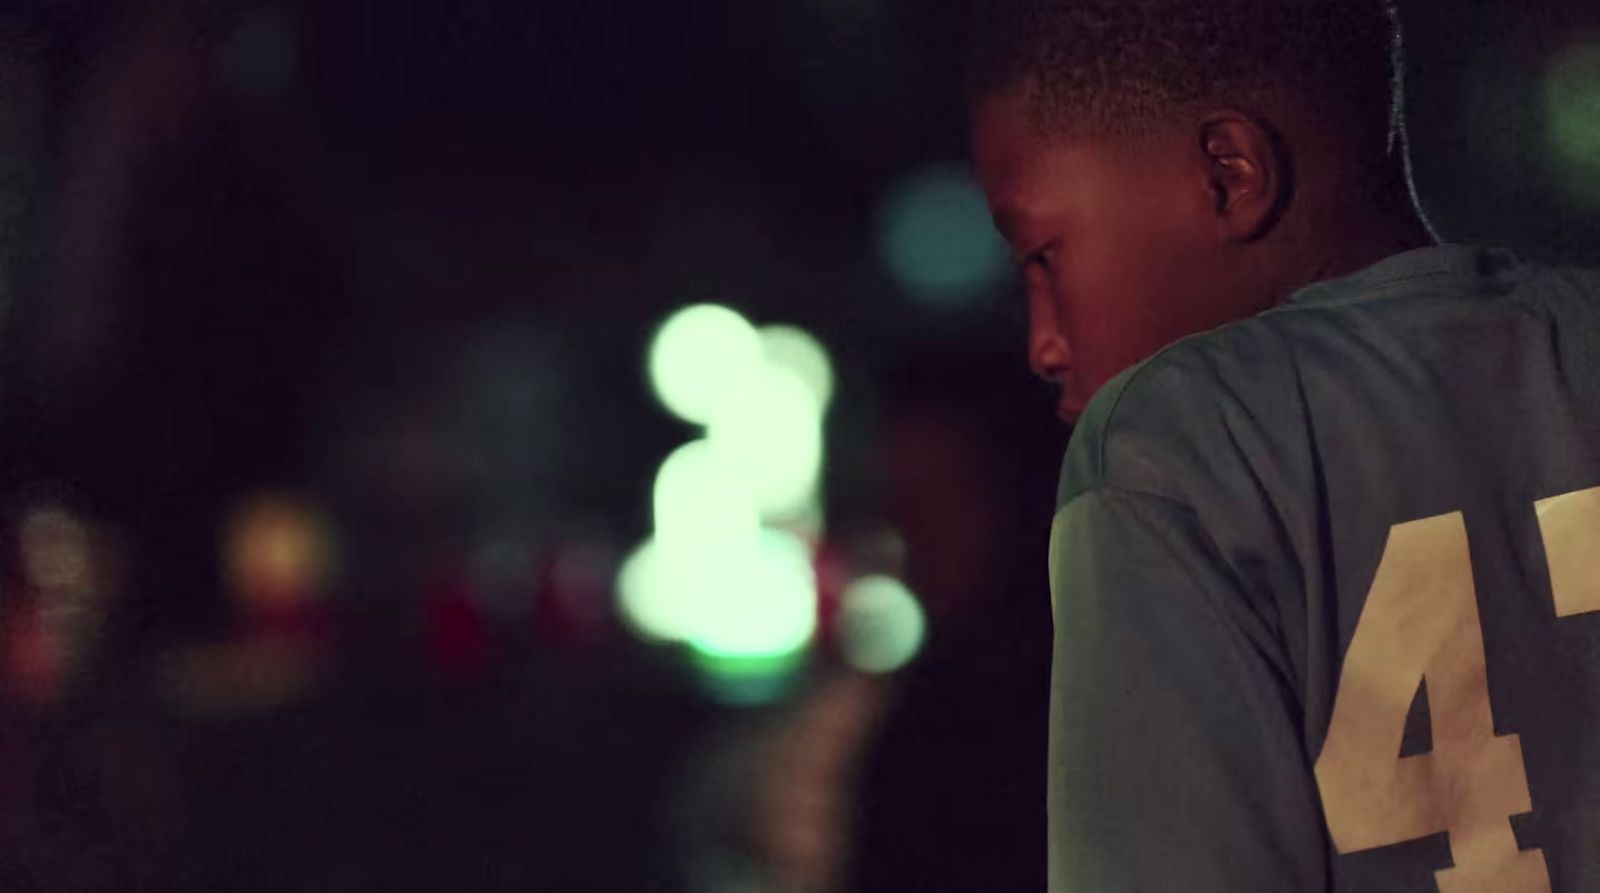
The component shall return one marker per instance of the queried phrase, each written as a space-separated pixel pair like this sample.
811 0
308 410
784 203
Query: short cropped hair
1126 66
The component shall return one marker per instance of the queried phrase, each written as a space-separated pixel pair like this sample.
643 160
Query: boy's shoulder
1172 417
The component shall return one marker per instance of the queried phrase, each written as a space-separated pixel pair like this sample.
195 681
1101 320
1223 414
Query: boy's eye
1040 258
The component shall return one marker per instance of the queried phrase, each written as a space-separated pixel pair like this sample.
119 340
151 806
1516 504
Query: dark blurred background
569 444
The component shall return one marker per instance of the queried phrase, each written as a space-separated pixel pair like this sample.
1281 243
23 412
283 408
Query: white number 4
1420 623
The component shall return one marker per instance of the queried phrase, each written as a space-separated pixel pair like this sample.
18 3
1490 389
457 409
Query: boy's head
1162 167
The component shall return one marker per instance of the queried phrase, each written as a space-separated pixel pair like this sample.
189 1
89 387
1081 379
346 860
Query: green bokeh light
754 604
936 240
663 600
702 357
762 603
750 681
742 597
1572 115
881 625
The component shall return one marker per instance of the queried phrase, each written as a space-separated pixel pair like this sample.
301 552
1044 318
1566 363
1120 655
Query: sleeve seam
1104 487
1138 372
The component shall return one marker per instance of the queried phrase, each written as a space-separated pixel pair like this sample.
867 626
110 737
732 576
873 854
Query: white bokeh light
772 440
703 357
701 504
881 624
714 576
794 349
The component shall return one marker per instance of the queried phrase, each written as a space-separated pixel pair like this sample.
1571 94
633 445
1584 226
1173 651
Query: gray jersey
1326 585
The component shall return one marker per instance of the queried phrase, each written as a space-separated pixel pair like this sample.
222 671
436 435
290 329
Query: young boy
1326 565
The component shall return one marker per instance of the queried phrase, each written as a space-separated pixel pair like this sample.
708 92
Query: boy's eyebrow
1005 220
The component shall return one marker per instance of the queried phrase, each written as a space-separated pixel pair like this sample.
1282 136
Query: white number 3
1420 623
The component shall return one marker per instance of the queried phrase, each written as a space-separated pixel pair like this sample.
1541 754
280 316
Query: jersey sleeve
1175 758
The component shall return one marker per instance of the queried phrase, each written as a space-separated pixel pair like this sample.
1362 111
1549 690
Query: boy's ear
1246 172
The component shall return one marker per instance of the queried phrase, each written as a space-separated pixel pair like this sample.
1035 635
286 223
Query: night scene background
560 444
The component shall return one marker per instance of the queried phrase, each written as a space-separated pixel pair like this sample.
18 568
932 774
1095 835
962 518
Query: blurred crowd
519 738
